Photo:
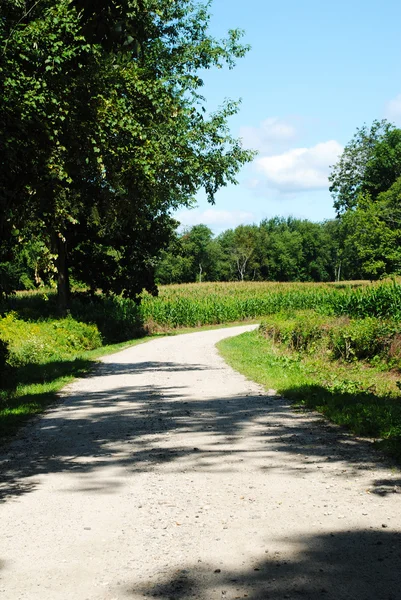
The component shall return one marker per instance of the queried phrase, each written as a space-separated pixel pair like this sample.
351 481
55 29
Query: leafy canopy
369 164
105 131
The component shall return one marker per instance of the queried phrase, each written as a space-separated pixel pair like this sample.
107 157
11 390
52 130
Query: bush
300 332
363 339
346 339
46 340
117 319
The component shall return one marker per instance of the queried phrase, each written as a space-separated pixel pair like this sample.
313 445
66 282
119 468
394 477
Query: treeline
363 242
277 249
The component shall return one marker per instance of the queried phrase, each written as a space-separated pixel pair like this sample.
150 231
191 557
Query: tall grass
190 305
202 304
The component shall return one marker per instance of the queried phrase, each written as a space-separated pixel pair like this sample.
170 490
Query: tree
196 243
243 250
191 256
105 131
369 164
237 258
372 233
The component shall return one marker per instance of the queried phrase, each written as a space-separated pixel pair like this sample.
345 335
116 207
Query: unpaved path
168 475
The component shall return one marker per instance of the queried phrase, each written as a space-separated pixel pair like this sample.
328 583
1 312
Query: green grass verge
361 397
33 387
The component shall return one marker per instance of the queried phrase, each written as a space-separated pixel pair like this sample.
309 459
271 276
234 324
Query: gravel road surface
167 475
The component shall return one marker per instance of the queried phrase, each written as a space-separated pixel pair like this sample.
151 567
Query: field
344 339
192 305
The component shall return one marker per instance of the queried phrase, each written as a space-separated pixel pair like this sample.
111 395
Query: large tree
104 130
369 164
372 234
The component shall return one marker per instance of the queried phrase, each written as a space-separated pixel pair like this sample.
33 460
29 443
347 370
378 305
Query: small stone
217 570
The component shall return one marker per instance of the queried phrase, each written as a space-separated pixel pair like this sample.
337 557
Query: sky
316 72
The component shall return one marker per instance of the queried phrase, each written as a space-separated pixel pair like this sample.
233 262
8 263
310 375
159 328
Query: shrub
300 332
363 339
46 340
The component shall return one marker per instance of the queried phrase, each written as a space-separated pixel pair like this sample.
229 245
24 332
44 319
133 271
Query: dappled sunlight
146 427
191 481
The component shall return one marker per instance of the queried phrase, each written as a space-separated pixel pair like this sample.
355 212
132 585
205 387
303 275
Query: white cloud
393 110
300 169
272 134
215 219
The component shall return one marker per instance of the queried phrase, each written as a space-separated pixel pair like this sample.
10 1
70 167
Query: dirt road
167 475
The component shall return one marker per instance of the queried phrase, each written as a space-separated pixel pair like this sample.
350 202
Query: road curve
167 475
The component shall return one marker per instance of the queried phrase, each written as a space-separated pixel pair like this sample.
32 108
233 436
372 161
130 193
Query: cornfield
213 303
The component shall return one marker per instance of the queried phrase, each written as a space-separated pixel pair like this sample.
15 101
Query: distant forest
275 250
362 242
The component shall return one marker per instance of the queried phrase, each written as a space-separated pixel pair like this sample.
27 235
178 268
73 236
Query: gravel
165 474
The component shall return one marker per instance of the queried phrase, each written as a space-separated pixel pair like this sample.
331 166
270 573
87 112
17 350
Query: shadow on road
346 565
123 427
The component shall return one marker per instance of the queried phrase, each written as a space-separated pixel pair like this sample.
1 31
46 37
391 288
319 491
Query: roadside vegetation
332 346
39 357
346 368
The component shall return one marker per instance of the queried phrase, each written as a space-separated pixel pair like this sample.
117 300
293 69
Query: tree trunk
338 274
63 281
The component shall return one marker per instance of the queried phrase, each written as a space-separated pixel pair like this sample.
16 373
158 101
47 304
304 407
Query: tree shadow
363 412
384 487
145 427
17 409
48 372
344 565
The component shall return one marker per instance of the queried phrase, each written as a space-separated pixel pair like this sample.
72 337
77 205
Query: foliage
109 95
276 250
35 343
372 233
300 332
117 319
190 257
337 337
369 164
4 357
365 338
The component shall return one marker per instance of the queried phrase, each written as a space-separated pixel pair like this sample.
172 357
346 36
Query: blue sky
316 71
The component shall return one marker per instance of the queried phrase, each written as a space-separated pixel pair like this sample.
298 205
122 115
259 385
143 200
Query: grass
362 397
31 388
